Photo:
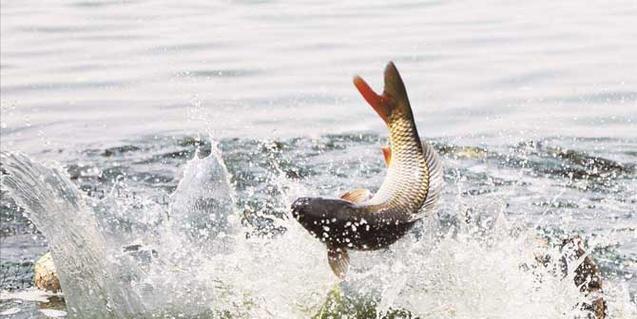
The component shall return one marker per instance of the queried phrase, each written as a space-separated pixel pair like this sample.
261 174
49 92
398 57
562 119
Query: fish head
324 218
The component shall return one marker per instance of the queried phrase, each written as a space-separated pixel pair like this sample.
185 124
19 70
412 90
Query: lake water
532 105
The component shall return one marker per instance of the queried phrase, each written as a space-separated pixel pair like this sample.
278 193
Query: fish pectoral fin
357 195
339 261
387 154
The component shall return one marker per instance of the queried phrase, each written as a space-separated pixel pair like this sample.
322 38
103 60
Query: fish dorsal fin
436 181
339 261
357 195
387 155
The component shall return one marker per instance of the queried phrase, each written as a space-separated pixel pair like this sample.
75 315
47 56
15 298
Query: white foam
10 311
466 273
30 294
52 313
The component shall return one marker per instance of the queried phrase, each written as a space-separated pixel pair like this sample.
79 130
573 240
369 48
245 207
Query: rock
587 275
463 152
46 277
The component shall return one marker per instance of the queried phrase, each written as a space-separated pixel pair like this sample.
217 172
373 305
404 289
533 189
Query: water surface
533 107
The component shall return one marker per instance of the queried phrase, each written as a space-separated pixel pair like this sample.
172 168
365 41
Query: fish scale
407 183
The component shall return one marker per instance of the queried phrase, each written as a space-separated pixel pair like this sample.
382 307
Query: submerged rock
45 276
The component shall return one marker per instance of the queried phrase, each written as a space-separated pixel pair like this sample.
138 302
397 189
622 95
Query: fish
360 220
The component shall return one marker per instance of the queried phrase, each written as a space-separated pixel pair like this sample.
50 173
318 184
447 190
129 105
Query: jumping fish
410 190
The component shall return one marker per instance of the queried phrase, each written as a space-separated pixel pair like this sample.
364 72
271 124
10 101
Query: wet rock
587 275
46 277
54 302
462 152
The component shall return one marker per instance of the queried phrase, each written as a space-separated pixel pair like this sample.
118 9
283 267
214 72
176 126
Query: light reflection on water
86 71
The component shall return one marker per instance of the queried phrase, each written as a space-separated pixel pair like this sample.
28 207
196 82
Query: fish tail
394 95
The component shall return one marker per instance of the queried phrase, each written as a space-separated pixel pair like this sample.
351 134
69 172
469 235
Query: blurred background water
91 71
121 90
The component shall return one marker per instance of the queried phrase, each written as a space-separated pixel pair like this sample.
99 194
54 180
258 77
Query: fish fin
436 181
394 94
339 261
374 100
387 154
357 195
394 89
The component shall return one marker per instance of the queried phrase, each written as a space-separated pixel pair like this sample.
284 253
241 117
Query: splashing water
193 263
126 256
57 209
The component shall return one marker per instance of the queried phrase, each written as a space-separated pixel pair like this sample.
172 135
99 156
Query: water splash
180 260
195 262
56 207
201 203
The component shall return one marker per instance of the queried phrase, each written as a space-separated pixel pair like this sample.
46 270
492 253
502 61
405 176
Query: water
532 106
99 71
